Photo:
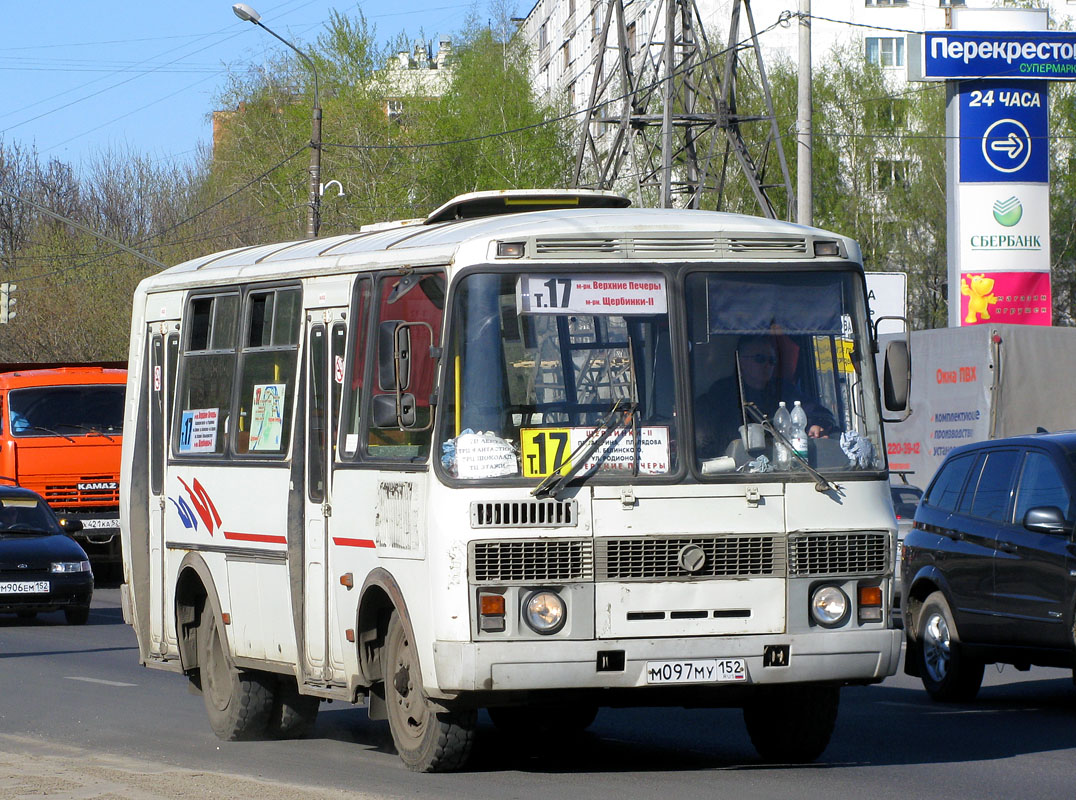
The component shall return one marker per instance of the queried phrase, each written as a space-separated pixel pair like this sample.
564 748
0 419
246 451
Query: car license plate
24 587
91 524
698 670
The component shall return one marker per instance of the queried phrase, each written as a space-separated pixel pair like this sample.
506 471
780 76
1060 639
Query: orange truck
61 429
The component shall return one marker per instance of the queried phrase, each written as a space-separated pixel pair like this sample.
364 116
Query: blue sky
78 77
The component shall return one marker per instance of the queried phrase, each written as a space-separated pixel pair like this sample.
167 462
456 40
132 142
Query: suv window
1041 485
994 487
946 488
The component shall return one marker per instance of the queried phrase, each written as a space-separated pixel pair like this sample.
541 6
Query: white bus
508 458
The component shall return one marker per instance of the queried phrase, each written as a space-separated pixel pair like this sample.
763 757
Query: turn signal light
491 612
870 604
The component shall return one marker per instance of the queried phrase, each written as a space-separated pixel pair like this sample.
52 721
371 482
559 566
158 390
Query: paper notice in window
267 417
198 431
483 455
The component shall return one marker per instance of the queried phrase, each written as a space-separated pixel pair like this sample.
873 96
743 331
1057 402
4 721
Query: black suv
989 567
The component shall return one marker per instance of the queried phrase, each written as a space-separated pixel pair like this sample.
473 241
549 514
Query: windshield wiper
551 485
47 430
822 483
92 431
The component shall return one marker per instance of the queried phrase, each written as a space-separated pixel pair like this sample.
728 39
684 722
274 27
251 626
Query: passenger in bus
766 379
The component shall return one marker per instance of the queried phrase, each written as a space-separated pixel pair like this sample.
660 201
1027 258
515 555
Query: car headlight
545 612
829 606
69 566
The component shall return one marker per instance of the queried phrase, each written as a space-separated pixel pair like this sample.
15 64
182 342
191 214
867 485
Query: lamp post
313 222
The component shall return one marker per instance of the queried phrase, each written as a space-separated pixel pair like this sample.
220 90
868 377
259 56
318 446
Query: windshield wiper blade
48 430
822 483
92 431
581 455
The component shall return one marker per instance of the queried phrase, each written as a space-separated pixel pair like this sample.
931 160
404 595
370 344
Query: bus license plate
704 670
24 587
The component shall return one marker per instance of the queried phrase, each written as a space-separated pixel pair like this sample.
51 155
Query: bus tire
948 674
238 703
428 739
566 720
294 714
792 724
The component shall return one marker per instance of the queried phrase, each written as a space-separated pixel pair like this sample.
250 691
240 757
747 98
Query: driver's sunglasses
759 358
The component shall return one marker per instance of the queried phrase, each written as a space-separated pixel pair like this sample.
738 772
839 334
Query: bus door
163 338
327 338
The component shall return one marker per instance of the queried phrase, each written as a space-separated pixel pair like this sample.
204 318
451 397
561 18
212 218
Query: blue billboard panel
999 54
1003 132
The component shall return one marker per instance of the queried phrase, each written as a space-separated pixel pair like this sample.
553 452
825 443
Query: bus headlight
545 612
829 606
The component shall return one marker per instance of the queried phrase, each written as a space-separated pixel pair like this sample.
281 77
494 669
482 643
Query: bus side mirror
897 379
387 415
393 355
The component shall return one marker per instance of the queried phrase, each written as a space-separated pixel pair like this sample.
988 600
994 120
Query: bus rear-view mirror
387 415
393 355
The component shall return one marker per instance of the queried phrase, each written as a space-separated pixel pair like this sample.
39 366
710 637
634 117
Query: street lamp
313 223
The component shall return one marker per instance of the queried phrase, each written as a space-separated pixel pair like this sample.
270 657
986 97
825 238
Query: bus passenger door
326 338
163 338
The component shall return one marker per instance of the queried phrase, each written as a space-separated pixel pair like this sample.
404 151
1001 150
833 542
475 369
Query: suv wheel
948 674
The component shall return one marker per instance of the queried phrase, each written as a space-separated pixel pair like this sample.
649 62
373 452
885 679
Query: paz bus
469 462
61 429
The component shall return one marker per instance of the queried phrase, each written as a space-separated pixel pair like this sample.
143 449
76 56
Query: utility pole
804 130
678 154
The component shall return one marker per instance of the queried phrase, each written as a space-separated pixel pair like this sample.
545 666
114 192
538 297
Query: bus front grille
838 553
529 513
688 558
532 561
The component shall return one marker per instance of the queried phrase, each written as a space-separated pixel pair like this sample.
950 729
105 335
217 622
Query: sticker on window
548 450
598 294
267 417
198 431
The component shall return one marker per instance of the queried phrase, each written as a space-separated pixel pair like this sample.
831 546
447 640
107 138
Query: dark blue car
989 566
41 567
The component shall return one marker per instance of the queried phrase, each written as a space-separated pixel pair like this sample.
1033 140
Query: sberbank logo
1008 212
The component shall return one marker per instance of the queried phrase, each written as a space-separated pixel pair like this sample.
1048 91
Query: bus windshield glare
559 373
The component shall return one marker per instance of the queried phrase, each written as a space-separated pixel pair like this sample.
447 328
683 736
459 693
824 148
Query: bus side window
268 358
207 371
410 298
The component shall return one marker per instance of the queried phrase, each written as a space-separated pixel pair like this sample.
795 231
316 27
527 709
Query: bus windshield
757 340
88 410
558 373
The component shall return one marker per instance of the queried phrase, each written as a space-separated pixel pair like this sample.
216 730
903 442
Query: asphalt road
80 719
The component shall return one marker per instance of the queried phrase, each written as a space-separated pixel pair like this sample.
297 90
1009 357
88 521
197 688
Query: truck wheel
562 719
427 739
293 714
792 724
947 673
238 703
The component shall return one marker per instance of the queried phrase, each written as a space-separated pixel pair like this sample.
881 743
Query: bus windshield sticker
484 455
548 450
198 431
597 294
267 416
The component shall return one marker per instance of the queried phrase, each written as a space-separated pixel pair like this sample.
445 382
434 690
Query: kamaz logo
96 487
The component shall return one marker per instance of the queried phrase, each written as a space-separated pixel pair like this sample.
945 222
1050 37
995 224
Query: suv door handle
1006 547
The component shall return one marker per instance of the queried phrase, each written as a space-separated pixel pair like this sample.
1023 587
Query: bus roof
556 234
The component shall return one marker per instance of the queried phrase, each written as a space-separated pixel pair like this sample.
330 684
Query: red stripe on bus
353 542
256 537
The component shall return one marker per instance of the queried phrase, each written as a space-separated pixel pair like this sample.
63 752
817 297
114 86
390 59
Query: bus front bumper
859 656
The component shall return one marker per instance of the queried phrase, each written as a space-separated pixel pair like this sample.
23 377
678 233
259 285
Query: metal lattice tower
664 124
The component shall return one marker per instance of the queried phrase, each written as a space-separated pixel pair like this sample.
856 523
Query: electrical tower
664 120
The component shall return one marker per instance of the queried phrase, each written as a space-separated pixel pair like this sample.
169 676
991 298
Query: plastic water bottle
799 430
782 421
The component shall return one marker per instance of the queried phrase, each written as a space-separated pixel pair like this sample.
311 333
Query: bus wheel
427 739
792 724
238 703
947 673
559 719
293 714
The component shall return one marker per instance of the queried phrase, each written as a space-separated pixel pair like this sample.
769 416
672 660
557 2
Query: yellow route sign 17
545 451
